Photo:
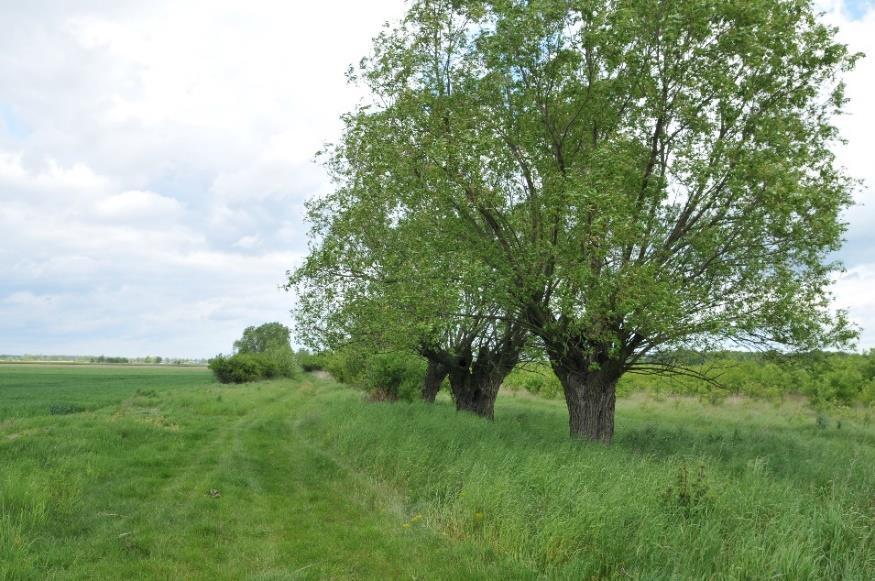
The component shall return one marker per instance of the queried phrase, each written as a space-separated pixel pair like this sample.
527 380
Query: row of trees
603 182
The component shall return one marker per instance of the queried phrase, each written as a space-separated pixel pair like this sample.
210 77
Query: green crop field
138 472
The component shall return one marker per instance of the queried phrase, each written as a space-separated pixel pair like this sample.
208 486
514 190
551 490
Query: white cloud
139 206
854 291
248 242
48 177
153 204
155 199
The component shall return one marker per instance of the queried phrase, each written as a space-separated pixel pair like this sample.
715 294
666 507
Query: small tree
264 338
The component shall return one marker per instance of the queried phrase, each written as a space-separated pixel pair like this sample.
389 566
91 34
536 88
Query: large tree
634 176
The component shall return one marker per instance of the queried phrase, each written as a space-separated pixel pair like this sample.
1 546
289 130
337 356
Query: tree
632 177
264 338
374 281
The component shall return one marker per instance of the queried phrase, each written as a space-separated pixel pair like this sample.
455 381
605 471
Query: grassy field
114 472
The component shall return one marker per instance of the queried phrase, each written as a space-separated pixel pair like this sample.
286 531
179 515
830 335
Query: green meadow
160 472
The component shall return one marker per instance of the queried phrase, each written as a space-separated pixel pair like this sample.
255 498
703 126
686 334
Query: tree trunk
431 384
474 396
591 399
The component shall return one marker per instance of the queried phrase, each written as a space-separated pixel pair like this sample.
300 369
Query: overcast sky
155 157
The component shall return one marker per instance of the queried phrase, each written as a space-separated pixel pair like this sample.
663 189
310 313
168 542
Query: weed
689 495
63 409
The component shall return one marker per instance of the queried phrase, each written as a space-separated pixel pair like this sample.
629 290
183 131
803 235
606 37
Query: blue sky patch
11 123
859 8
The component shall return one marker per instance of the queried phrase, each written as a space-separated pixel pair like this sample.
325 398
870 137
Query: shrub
278 363
311 361
393 376
248 367
240 368
385 376
537 378
346 365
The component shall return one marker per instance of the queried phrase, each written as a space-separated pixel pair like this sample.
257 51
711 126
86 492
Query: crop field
160 472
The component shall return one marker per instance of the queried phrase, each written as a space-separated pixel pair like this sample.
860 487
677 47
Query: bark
475 385
591 399
588 370
473 394
435 373
475 376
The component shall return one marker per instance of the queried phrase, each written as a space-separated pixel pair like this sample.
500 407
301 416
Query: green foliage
385 376
104 359
278 363
311 361
825 379
263 352
620 177
239 368
537 379
249 367
345 365
393 376
264 338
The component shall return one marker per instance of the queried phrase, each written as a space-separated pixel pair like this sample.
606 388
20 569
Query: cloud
248 242
155 158
138 205
855 20
853 290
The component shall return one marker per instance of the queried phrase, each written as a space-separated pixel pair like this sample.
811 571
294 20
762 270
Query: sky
155 158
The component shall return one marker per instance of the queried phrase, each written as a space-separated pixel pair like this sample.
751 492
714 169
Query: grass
162 473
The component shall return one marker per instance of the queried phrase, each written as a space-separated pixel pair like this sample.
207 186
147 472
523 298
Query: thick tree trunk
591 399
435 374
475 395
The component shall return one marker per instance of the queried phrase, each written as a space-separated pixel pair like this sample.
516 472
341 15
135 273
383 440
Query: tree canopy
265 338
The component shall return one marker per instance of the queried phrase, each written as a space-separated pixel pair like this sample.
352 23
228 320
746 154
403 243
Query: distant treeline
825 378
104 359
148 360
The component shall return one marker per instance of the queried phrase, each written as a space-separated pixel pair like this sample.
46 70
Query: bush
248 367
385 376
393 376
537 378
311 361
240 368
346 365
278 363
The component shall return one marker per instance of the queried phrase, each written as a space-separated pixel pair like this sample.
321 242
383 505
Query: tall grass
687 490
